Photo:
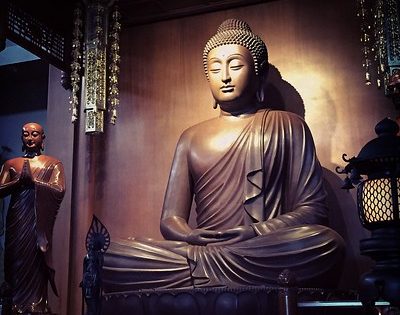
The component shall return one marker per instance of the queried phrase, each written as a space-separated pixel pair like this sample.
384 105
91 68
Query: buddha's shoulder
287 122
199 129
284 115
14 161
50 159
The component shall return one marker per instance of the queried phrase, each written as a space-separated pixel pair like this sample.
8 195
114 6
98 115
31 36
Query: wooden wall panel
316 71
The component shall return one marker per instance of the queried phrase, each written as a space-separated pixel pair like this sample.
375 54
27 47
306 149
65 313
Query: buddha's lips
227 88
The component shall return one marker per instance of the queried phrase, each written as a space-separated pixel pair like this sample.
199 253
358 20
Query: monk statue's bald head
233 31
32 138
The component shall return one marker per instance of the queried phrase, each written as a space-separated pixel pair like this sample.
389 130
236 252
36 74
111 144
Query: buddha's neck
246 112
31 154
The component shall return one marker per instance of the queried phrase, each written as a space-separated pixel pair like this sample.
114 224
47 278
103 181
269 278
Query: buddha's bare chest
209 147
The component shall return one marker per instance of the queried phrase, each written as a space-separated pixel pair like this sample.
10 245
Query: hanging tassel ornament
95 66
113 77
76 56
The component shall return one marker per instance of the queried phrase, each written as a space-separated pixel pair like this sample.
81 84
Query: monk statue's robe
29 226
270 179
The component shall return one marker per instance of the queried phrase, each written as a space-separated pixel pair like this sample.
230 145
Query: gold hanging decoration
76 61
95 67
380 36
113 78
99 72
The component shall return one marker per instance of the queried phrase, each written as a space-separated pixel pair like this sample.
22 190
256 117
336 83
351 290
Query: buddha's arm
7 182
307 206
178 197
56 182
302 215
178 201
49 195
301 190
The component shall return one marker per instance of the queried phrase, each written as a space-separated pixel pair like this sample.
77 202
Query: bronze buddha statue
257 185
36 185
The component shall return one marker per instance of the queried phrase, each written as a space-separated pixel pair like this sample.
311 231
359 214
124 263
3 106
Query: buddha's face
32 137
232 77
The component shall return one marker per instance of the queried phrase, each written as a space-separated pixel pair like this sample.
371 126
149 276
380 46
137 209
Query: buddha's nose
226 77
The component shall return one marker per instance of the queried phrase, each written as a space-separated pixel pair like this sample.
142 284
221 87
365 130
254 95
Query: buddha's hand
26 177
205 237
237 234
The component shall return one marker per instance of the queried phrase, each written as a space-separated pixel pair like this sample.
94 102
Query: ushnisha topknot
233 31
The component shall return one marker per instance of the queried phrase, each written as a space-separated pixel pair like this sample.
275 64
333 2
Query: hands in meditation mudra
257 184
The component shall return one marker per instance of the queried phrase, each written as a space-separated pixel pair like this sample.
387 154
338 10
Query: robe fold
269 178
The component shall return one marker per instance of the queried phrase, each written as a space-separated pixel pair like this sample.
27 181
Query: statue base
255 300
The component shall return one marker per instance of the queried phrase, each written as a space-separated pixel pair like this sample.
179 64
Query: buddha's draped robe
270 179
29 226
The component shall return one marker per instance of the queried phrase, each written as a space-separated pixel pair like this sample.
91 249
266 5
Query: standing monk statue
36 185
256 183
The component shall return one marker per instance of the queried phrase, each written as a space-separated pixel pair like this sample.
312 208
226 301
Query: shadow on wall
281 95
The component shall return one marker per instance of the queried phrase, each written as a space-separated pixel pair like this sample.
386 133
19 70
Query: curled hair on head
234 31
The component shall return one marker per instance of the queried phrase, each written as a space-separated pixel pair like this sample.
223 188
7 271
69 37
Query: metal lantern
378 202
378 206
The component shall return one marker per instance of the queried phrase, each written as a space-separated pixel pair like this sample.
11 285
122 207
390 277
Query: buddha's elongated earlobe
42 144
260 95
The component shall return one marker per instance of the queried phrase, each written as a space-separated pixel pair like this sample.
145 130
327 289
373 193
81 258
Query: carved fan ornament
97 238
